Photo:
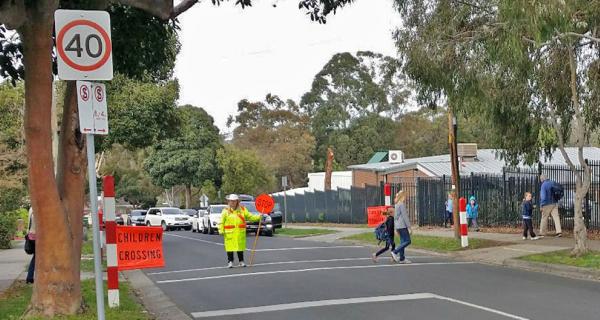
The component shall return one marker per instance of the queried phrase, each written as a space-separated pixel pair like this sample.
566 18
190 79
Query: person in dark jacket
389 228
549 207
527 212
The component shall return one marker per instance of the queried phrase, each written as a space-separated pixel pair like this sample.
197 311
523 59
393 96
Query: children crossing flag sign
139 247
83 45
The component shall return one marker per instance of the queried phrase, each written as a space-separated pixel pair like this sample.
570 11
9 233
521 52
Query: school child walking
527 212
389 230
472 213
449 209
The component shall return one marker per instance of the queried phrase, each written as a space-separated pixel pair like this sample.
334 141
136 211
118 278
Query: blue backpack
381 233
558 192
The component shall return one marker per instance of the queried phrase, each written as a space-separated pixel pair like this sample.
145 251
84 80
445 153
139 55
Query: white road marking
472 305
237 275
195 239
307 248
337 302
259 250
274 263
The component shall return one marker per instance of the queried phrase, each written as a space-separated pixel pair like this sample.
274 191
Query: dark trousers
528 226
240 255
389 243
448 218
404 242
31 270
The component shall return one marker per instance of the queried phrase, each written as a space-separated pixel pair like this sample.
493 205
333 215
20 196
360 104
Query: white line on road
237 275
472 305
336 302
195 239
307 248
275 263
259 250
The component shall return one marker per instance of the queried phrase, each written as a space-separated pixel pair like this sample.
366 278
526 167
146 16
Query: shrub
8 227
321 217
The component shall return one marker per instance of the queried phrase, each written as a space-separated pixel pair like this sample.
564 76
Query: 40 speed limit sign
83 45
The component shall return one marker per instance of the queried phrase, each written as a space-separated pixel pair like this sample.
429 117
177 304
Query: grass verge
590 260
297 233
14 302
439 244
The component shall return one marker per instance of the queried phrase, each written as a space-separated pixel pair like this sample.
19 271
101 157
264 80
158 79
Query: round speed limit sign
83 45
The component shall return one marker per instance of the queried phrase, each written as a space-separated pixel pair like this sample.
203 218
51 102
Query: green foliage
141 113
13 164
8 227
243 172
144 47
511 62
277 131
132 182
190 158
351 99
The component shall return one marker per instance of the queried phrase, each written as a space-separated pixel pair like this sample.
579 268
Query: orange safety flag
139 247
375 215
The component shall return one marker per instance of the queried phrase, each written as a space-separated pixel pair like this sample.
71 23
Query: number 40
75 45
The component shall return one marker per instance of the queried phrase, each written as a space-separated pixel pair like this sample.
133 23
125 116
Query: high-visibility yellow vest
233 227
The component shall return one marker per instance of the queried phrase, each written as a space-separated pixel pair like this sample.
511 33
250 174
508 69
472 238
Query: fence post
111 241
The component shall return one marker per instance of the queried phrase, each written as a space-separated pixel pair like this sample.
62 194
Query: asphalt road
298 279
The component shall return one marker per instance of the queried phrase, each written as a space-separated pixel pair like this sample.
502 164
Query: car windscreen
217 209
251 207
138 213
171 211
189 212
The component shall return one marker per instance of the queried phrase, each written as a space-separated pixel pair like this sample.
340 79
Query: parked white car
168 219
211 220
198 220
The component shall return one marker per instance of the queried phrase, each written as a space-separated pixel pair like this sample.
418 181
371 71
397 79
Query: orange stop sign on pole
264 203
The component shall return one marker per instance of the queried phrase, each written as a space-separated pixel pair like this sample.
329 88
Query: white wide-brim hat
232 197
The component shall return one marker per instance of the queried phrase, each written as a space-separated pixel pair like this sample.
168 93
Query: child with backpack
472 213
527 212
385 232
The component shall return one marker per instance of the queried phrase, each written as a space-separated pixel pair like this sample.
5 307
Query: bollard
111 241
464 227
387 189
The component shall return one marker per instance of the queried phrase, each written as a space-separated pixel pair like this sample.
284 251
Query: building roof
378 157
488 161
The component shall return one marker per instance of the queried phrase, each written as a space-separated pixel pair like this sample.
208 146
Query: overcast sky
229 54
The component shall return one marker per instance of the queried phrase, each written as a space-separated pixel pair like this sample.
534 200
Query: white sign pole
95 225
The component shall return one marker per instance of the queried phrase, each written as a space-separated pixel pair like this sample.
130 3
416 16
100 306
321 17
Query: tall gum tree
531 67
58 200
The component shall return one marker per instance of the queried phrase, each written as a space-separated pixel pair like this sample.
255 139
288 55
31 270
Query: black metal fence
499 197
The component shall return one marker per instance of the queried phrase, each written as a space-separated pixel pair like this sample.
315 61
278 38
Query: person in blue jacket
472 213
549 207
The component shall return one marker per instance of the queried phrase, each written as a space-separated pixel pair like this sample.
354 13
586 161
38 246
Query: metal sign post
284 184
91 157
84 52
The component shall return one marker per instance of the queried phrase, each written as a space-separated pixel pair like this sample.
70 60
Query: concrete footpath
504 255
13 265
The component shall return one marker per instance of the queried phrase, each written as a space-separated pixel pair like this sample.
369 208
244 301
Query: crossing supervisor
233 228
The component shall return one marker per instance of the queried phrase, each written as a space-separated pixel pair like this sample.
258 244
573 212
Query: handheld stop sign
264 204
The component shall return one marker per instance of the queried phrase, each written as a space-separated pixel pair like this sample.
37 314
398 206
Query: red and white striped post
111 241
464 238
387 191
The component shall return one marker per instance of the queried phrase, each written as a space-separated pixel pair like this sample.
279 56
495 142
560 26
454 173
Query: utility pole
452 141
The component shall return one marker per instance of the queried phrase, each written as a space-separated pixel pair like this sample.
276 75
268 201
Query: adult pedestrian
549 207
30 237
233 228
402 226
